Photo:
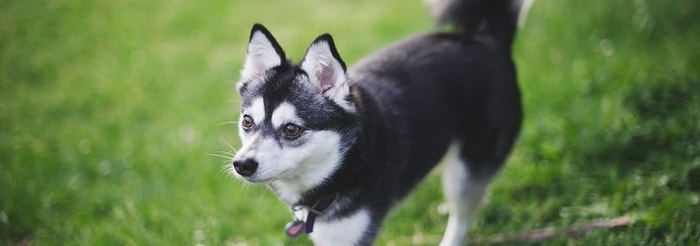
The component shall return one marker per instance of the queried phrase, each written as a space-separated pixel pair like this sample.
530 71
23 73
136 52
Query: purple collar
295 227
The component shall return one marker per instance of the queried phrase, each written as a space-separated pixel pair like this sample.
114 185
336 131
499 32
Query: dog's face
296 121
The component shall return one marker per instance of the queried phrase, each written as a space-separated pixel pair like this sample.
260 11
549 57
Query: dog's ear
263 53
326 69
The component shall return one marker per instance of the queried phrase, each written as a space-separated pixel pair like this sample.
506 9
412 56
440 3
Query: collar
295 227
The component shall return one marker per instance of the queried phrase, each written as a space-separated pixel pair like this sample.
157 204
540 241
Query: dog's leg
464 194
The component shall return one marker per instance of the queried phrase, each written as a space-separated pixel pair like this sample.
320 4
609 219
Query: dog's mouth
263 177
256 180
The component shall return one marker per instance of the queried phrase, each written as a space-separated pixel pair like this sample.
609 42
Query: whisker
230 158
233 122
226 153
230 146
226 169
246 188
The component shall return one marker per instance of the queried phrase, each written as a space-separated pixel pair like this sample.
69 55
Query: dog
343 146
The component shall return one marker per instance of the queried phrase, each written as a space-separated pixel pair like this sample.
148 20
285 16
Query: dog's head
296 120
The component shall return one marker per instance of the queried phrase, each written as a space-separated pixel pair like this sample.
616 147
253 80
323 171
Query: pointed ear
326 69
263 53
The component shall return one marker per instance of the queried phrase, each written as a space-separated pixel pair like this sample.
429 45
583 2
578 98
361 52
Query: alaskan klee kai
343 146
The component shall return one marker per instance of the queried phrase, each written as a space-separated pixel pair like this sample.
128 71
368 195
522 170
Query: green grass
109 109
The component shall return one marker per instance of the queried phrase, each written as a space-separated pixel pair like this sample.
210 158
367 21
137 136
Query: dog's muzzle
245 167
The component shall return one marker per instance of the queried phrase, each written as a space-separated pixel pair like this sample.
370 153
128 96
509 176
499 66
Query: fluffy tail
491 21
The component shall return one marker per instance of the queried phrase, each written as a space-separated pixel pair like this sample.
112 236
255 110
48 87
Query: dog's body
363 139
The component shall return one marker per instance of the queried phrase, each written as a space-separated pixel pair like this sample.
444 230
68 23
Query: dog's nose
245 167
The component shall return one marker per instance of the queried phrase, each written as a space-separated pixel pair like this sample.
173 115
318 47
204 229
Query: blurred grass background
109 111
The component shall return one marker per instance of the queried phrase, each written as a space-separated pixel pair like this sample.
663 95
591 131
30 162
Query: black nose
245 167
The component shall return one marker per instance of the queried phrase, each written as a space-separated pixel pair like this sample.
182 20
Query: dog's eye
292 130
247 122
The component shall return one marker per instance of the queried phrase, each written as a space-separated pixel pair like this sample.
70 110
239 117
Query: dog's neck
305 216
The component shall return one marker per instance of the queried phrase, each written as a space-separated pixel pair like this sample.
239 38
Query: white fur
261 56
464 195
327 74
249 149
283 114
524 9
289 171
299 169
257 110
345 231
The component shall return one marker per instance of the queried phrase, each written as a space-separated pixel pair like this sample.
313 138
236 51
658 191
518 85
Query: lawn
114 116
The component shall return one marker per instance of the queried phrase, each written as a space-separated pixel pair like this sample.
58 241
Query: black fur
414 99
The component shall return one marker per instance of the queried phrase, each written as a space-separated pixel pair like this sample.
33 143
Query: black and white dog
342 147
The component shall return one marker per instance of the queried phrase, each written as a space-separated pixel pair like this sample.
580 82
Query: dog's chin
255 180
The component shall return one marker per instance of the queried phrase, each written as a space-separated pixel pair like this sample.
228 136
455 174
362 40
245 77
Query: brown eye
292 130
247 122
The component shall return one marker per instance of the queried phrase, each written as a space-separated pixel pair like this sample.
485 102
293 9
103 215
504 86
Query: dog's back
449 96
440 88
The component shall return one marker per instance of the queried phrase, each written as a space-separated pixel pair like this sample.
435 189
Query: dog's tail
491 21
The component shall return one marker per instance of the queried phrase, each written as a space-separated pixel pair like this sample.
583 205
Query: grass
109 111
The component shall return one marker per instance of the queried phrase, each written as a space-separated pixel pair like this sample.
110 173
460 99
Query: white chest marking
345 231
